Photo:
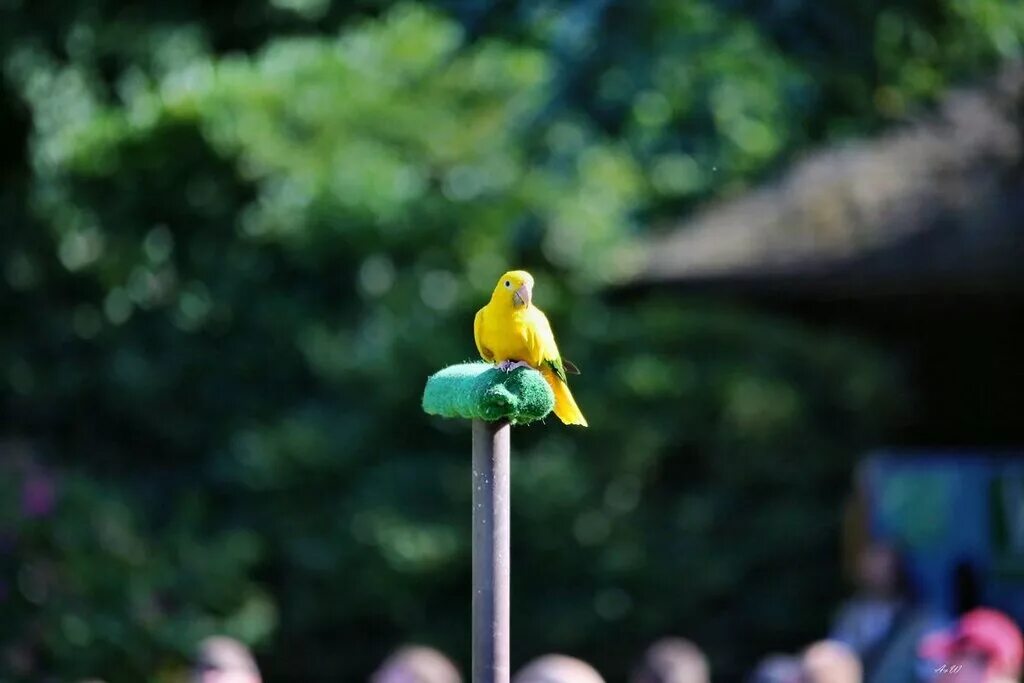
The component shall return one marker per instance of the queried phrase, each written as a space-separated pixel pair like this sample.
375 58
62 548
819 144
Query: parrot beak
523 296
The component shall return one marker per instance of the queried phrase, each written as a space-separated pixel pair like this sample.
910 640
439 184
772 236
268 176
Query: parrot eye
508 283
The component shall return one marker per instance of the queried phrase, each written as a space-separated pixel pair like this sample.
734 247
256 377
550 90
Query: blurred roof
937 204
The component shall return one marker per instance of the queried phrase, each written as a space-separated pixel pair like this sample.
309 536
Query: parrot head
515 287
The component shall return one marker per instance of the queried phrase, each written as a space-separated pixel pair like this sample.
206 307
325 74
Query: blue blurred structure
959 519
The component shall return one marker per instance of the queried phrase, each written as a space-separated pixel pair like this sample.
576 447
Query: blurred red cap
983 630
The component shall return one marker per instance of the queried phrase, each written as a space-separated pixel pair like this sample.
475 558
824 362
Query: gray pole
491 462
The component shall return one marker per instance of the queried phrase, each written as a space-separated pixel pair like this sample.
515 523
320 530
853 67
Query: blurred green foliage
101 590
237 237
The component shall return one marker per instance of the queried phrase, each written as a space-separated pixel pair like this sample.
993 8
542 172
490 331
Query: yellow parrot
512 332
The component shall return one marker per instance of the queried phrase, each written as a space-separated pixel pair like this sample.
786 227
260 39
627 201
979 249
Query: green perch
481 391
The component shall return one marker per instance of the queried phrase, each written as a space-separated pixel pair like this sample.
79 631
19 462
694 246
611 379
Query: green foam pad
480 390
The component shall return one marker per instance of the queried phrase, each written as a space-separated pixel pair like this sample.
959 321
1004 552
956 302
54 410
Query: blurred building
914 239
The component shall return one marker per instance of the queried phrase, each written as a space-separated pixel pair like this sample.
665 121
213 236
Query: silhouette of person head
220 659
416 664
557 669
672 660
828 661
984 645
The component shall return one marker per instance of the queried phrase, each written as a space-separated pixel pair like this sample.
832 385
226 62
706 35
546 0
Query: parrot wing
478 336
541 342
559 368
542 346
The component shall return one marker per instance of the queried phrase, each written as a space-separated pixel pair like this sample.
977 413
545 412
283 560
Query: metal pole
491 462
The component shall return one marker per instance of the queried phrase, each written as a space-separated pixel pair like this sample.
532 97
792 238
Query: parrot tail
565 405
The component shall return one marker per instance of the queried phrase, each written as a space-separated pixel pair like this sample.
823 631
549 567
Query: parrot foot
509 365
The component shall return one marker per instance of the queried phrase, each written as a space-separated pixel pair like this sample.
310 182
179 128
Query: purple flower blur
38 495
